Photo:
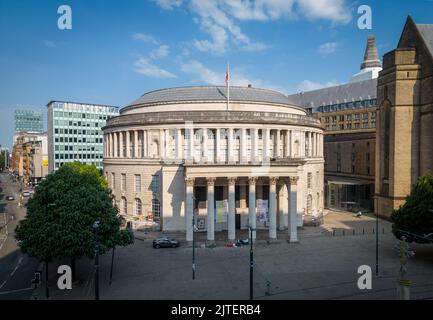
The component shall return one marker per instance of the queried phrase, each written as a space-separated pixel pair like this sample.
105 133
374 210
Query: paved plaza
321 266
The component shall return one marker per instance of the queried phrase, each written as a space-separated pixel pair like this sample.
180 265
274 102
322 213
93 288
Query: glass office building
74 132
29 121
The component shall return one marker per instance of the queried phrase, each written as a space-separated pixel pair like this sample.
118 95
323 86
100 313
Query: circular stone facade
180 155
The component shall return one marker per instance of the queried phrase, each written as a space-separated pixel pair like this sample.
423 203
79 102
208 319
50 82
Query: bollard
333 232
363 231
383 230
373 230
343 232
353 231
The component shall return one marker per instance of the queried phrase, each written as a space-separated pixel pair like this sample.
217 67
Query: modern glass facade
29 121
74 132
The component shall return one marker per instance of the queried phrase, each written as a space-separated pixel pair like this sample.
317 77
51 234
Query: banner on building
262 210
201 223
222 209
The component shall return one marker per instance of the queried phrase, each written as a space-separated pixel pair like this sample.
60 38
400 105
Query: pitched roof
355 91
212 93
426 31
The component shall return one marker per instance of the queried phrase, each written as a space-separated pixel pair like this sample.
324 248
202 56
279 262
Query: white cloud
218 18
336 11
144 67
50 44
328 48
146 38
169 4
161 52
308 85
261 10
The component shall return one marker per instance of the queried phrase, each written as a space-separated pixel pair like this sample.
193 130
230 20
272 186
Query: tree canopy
61 214
415 217
2 161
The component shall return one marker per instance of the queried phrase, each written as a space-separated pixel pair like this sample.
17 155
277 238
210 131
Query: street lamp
251 262
193 240
95 229
377 241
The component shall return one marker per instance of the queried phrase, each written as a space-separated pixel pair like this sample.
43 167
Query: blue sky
117 50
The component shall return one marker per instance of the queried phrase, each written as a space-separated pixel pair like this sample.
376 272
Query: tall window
137 183
123 182
155 183
113 180
309 178
124 206
138 207
156 209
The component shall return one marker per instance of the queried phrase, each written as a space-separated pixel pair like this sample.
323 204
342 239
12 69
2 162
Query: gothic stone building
404 139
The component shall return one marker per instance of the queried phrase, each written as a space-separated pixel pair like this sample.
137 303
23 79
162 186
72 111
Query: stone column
217 150
189 207
252 204
204 146
273 208
287 144
254 132
230 145
190 144
122 154
145 141
115 145
128 144
210 209
231 220
243 145
135 143
162 143
266 144
178 144
278 143
293 211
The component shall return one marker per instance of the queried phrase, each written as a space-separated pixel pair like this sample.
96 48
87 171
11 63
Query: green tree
2 161
416 216
61 214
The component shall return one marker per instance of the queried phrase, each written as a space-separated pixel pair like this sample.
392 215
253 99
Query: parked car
26 194
164 242
10 198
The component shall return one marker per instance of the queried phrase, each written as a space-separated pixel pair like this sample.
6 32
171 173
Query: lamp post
377 243
251 263
47 206
95 229
193 240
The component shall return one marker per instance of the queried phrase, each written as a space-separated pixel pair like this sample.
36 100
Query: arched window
138 207
124 206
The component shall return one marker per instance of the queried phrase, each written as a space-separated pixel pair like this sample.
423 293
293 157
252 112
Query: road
17 269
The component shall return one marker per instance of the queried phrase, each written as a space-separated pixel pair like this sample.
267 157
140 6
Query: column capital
273 180
210 181
293 180
231 180
189 182
252 180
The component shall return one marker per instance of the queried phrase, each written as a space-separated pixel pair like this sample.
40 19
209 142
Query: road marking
16 290
4 282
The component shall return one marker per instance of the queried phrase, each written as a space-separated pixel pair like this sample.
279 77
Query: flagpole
228 85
